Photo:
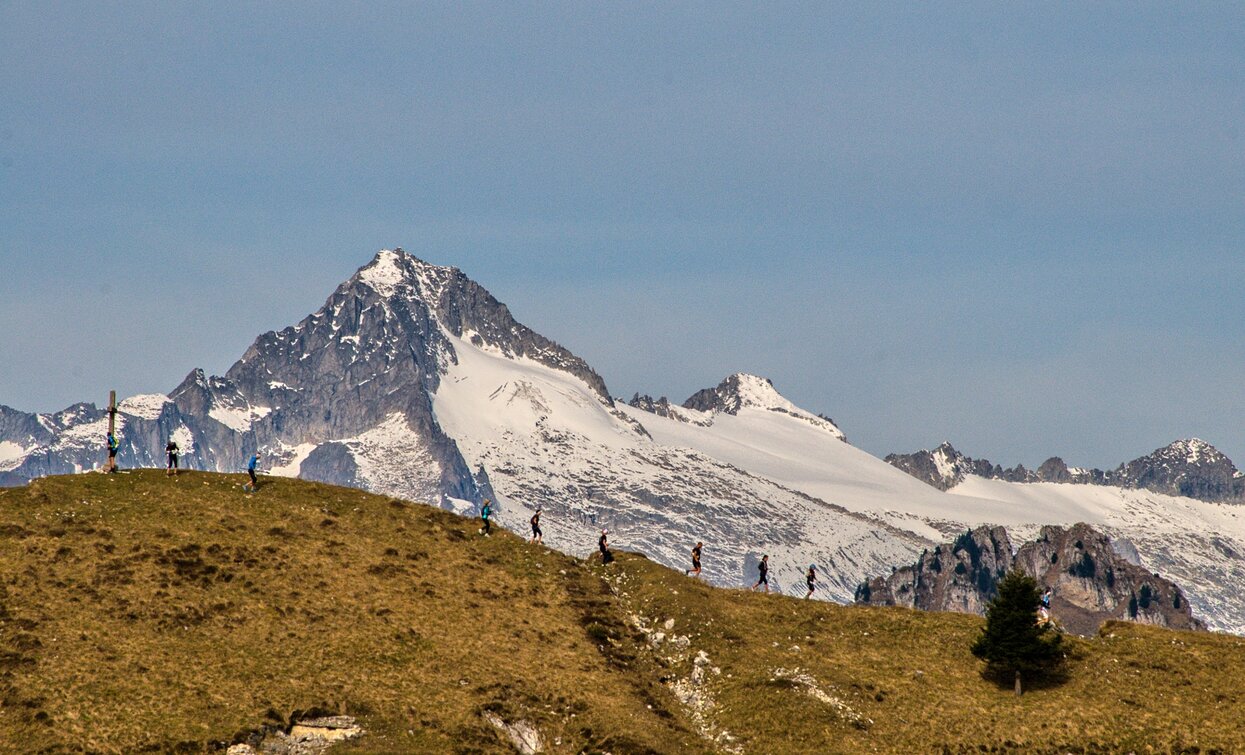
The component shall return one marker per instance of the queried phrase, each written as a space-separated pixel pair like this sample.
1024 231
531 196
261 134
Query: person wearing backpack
171 451
113 447
485 513
811 578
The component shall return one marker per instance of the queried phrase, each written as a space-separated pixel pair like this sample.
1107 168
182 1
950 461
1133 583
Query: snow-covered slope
545 439
813 459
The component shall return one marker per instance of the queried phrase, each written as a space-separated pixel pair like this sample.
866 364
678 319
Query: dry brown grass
145 612
1133 688
141 612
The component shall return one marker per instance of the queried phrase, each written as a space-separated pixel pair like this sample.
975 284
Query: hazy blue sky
1018 228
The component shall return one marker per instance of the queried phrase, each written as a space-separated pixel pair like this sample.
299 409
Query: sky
1020 228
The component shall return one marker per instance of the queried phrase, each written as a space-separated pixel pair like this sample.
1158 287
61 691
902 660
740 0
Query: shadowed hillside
140 612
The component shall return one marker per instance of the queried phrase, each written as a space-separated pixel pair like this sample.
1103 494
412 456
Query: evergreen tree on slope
1012 642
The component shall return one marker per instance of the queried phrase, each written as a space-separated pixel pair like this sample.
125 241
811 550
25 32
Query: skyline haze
1019 231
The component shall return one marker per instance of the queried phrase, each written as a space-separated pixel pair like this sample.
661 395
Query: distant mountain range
1192 468
412 380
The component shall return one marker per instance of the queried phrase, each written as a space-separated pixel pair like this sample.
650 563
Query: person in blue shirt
250 470
485 513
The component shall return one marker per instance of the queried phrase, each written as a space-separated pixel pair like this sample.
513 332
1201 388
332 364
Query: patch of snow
297 455
238 419
391 459
145 406
184 439
12 455
944 464
384 274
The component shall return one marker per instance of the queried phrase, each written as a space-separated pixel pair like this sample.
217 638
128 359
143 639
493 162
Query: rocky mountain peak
743 391
736 392
396 273
1190 467
942 468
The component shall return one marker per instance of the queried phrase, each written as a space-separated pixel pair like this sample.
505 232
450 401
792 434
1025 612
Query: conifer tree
1012 642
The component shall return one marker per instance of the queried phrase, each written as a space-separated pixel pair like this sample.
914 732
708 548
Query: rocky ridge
1190 468
1092 578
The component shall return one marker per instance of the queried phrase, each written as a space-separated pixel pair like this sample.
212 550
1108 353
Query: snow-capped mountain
1192 468
412 380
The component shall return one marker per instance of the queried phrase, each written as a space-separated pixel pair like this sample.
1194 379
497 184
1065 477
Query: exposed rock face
661 407
740 391
945 467
1090 579
959 576
1190 468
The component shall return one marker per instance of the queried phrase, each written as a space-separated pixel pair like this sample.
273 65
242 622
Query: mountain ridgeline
1189 468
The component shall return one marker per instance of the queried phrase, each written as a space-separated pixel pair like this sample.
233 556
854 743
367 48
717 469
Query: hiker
250 470
695 570
171 451
811 578
485 512
537 535
763 570
604 545
113 445
1044 608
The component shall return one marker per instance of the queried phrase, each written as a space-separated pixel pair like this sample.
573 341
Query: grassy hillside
139 612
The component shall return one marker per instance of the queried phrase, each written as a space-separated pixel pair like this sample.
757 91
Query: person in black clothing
763 571
171 450
604 545
695 570
537 535
811 578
